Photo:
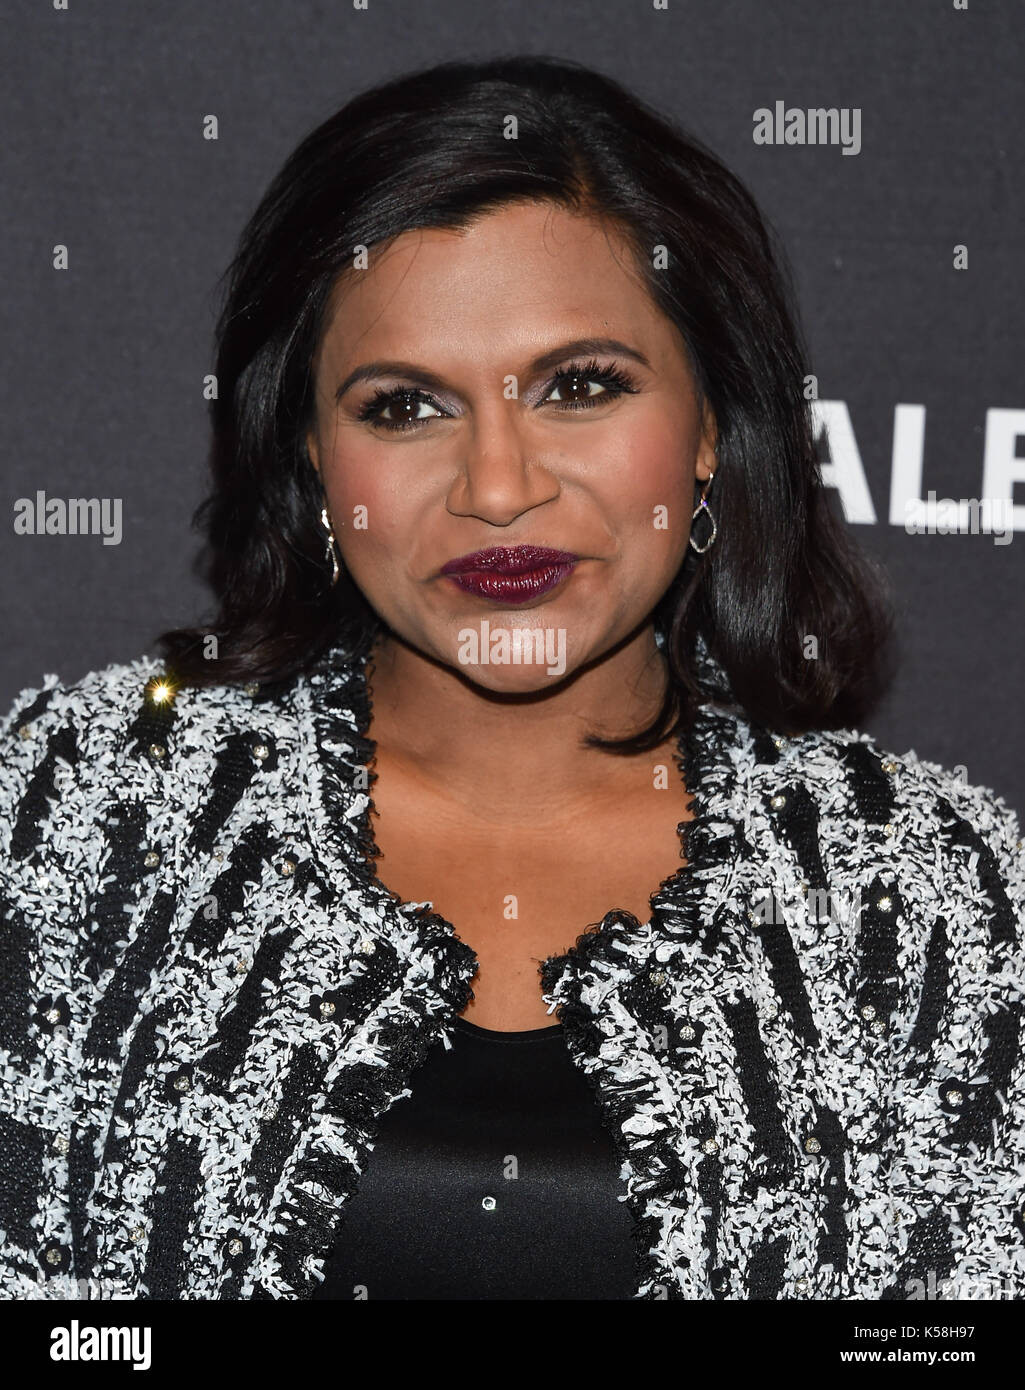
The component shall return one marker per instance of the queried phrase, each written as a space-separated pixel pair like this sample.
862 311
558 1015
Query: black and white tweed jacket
810 1058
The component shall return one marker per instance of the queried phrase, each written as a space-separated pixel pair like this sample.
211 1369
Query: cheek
367 508
651 492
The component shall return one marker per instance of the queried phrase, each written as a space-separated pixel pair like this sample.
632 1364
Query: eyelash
615 381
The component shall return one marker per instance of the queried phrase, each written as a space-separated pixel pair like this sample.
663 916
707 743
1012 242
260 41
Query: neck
510 753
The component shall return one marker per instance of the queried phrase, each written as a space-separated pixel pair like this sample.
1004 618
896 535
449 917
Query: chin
512 659
513 680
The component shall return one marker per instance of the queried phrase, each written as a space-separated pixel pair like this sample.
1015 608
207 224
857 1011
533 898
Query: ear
707 462
311 449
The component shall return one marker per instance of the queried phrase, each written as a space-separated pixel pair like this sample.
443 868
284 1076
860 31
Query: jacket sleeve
45 888
959 1187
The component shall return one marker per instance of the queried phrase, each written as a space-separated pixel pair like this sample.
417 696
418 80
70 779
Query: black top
495 1178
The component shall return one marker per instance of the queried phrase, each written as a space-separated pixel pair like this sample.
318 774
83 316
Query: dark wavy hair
427 150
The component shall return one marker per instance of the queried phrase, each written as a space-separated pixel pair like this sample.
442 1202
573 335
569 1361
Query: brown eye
574 386
404 405
406 409
577 388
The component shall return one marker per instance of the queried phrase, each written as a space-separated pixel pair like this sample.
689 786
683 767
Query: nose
499 475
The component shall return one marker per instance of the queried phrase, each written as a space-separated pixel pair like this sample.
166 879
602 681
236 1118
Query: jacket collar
684 906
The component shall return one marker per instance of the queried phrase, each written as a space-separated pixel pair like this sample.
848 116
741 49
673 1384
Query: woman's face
482 447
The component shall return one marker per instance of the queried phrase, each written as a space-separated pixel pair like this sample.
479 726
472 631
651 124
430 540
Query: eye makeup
612 378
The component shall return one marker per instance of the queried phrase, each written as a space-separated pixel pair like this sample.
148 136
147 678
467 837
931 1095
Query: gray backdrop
103 152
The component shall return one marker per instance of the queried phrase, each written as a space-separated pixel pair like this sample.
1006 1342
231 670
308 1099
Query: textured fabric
495 1179
208 1000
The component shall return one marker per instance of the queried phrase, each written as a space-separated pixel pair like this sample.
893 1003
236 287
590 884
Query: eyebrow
579 347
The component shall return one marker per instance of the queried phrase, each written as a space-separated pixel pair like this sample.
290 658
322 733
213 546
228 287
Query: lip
511 574
504 559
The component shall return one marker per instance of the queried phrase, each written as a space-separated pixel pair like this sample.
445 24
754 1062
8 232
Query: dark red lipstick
511 574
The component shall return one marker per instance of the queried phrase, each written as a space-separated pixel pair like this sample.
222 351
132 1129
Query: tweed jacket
809 1058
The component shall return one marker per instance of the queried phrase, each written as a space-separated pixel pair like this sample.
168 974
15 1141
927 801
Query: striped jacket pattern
810 1058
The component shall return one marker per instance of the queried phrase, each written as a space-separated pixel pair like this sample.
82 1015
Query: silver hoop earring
331 549
703 507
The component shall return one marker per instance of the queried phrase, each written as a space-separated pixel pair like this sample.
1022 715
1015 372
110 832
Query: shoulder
836 811
51 727
105 703
842 783
66 745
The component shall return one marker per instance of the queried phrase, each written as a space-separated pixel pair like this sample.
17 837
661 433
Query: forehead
517 274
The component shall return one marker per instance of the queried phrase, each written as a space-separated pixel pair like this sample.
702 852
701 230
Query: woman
517 525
